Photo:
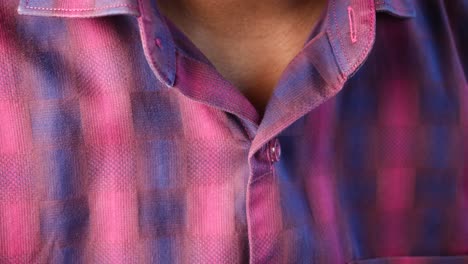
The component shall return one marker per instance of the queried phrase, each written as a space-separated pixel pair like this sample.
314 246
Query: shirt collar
158 45
350 27
87 8
78 8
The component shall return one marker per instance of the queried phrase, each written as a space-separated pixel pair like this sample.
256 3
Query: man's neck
250 42
246 18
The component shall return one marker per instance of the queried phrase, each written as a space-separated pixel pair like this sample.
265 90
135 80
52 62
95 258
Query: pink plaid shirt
121 143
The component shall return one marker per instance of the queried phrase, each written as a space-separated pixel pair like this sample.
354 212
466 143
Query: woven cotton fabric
121 143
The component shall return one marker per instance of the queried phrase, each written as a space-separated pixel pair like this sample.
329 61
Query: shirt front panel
100 163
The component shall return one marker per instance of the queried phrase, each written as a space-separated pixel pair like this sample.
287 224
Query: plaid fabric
121 143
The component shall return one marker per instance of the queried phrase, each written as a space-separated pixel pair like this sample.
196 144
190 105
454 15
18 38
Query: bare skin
250 42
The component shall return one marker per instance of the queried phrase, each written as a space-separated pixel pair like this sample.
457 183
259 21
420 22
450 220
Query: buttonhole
157 41
352 25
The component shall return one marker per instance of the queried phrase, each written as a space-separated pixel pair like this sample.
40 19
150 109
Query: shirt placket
315 75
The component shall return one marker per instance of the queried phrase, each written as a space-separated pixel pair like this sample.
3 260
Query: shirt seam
271 171
336 30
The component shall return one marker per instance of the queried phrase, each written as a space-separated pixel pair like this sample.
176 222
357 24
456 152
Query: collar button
274 150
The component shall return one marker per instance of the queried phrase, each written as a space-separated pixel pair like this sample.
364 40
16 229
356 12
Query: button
274 150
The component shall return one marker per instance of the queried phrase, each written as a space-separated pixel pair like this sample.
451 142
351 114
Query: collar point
170 81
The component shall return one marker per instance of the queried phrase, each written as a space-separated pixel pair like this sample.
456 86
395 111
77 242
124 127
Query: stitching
352 27
79 9
262 175
336 28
